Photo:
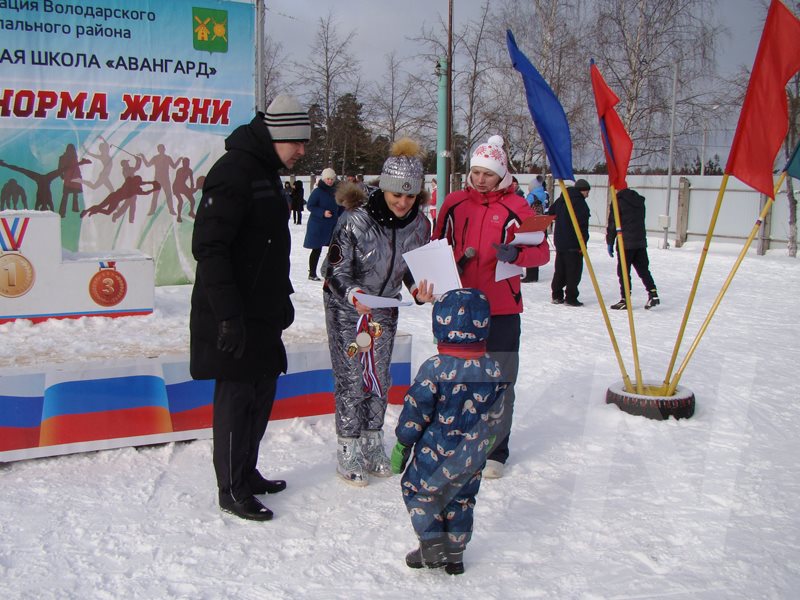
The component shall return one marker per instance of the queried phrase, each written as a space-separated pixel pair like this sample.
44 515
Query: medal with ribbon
366 332
16 272
108 286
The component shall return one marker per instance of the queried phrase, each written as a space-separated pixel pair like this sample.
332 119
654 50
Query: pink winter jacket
469 218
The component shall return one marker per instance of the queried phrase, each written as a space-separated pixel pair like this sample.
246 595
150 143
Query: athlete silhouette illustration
161 163
128 204
183 187
71 179
132 186
104 157
11 195
44 195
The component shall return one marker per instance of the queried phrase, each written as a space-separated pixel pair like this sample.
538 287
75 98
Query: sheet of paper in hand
434 262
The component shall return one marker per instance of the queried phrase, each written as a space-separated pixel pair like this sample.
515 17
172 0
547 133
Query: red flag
764 119
616 141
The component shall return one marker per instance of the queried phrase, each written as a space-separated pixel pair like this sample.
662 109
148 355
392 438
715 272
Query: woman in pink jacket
479 222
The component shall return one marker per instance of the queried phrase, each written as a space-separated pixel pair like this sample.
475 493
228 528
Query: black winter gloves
231 337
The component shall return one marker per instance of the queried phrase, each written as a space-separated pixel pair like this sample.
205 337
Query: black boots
652 299
249 508
430 554
455 562
434 554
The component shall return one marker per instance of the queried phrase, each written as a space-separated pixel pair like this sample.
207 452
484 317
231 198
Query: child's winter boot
455 561
430 554
652 299
375 460
350 465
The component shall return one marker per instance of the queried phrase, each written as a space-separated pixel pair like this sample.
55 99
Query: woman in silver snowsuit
366 255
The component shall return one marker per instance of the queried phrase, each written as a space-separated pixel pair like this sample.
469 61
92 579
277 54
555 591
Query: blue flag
793 166
547 113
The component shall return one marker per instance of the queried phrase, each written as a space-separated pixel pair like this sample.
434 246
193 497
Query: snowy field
595 503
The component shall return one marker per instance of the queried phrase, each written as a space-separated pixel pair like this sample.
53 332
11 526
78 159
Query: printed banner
111 111
56 409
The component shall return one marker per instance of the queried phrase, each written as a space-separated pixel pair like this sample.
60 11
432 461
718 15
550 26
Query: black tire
680 405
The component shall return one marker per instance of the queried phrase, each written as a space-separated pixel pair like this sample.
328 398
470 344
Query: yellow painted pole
626 284
625 378
709 234
674 383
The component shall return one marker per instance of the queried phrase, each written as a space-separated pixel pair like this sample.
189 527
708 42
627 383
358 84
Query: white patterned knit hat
491 155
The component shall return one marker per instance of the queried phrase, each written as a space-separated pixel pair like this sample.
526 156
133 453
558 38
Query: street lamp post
705 133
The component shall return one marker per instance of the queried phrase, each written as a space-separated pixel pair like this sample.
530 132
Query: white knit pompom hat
490 155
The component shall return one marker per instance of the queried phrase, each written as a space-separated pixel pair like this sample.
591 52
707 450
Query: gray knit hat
402 172
287 121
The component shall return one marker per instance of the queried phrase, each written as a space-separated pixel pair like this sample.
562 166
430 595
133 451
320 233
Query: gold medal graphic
108 287
16 275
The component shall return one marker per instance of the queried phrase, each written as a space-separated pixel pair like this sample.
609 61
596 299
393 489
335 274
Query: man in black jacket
241 298
568 267
634 240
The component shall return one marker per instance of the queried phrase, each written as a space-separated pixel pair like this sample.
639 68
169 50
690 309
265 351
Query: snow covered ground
595 503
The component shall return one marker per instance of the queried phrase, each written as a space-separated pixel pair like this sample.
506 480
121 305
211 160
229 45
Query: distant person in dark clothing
634 241
298 202
569 259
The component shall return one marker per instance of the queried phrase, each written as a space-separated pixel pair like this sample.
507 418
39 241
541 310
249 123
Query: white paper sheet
379 301
530 238
435 263
505 270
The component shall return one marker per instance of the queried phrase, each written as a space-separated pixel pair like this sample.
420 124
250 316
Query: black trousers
503 346
641 262
567 275
297 216
241 413
313 260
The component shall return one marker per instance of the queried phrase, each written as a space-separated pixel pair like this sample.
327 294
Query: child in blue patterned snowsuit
449 417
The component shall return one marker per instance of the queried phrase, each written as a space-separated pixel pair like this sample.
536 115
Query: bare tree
472 65
558 53
395 104
274 65
328 72
639 46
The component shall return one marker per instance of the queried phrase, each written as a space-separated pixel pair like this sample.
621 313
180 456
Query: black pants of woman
313 261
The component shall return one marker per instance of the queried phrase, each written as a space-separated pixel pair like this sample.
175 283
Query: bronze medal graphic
108 287
16 275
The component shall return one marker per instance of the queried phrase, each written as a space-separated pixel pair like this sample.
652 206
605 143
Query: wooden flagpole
625 377
753 232
626 284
